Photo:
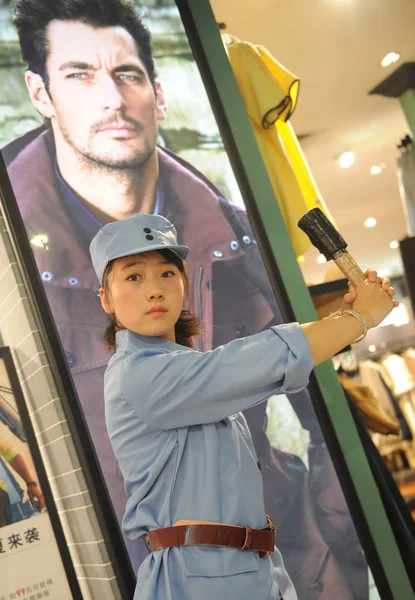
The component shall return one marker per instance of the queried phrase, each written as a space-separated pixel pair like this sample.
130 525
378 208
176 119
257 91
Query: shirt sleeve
7 450
175 389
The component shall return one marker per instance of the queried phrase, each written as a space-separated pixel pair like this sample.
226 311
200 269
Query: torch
330 243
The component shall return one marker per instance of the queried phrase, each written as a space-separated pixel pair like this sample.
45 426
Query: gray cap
137 234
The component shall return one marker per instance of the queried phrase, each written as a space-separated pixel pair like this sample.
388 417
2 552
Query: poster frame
71 405
7 358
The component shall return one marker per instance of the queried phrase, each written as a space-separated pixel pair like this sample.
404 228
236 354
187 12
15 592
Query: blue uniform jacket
185 452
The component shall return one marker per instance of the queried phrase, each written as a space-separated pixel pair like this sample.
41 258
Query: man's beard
91 159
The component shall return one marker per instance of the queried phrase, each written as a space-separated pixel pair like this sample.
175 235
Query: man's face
103 105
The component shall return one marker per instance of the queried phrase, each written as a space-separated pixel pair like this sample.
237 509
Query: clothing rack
386 339
393 347
390 349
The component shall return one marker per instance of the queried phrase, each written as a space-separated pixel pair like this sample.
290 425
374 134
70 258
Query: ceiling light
321 259
371 222
372 348
390 58
394 245
375 170
346 159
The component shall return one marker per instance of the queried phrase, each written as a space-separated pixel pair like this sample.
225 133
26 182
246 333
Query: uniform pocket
217 561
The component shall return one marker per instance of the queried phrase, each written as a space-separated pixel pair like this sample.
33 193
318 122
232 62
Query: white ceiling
335 48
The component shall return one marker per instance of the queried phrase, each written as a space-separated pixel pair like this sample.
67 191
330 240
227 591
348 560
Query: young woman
173 415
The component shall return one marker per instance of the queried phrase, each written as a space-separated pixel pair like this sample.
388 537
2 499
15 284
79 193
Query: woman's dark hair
188 324
32 17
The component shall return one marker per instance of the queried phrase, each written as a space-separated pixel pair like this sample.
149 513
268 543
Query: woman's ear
105 303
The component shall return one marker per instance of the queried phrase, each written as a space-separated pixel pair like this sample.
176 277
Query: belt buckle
147 542
271 527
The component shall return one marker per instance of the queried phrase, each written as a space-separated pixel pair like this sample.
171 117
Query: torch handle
349 267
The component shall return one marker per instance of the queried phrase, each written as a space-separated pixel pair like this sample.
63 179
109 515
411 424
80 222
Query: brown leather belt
244 538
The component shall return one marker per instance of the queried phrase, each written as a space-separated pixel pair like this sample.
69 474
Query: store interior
356 142
353 148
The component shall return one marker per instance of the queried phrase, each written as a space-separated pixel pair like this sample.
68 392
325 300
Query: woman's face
146 294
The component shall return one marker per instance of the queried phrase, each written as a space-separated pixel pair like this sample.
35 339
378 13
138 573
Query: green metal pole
407 101
272 220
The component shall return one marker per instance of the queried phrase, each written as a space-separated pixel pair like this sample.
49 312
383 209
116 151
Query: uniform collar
128 341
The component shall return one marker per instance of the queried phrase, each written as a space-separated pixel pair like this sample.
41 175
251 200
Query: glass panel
69 177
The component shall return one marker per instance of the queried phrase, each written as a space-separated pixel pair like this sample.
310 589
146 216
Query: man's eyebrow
84 66
129 67
75 64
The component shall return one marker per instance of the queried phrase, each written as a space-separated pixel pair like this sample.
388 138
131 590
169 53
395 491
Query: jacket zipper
321 570
200 315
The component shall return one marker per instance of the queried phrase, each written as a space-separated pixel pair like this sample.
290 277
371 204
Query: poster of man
108 116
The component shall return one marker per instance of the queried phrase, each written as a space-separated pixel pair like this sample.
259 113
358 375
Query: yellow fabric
270 93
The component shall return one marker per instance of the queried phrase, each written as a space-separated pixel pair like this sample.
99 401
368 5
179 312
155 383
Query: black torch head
321 233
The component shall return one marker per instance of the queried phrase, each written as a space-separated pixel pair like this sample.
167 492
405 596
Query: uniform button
149 237
147 230
240 330
246 239
217 254
46 276
73 281
234 245
70 359
259 465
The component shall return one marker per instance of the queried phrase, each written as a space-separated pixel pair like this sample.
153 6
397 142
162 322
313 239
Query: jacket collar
189 201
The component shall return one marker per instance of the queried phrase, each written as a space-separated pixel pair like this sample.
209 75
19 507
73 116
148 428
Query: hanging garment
371 374
409 358
399 516
406 180
402 380
376 378
366 403
270 93
403 424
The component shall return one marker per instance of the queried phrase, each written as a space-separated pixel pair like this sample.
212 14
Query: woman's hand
368 299
373 299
